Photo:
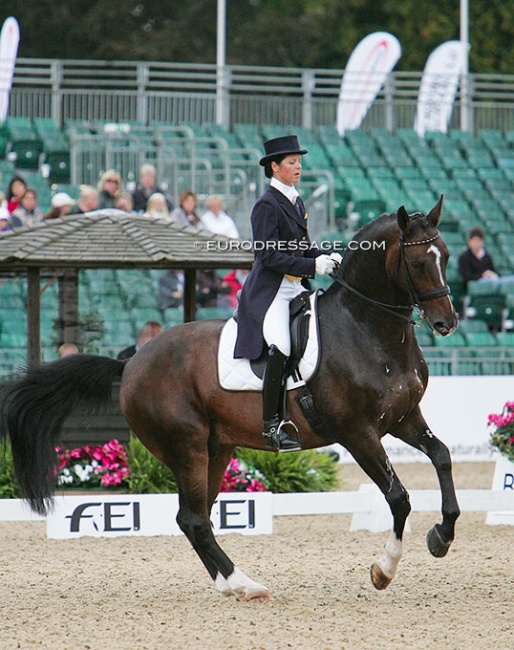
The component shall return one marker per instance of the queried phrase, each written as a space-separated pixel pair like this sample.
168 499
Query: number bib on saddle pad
238 374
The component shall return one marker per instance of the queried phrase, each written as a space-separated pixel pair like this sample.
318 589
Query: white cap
61 199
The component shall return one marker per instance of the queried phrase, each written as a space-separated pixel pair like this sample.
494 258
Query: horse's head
421 267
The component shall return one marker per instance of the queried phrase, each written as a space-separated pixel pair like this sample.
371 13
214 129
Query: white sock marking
238 584
392 555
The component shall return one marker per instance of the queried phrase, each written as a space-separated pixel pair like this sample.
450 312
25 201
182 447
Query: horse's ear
434 216
403 219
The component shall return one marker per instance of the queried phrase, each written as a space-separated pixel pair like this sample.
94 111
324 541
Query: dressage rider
283 256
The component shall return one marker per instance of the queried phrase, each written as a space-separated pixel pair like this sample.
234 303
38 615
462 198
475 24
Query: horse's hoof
378 577
260 596
436 544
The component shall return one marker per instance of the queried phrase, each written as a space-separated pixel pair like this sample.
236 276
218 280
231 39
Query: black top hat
283 146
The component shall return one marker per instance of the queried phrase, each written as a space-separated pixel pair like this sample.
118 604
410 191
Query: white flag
9 39
438 87
365 74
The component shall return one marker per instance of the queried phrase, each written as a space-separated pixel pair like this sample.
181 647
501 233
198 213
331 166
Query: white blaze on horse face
437 253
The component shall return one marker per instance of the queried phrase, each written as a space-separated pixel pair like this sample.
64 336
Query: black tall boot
278 433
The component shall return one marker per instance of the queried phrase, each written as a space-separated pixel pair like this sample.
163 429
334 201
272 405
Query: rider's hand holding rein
325 264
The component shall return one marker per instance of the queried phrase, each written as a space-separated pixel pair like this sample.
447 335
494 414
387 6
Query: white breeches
275 328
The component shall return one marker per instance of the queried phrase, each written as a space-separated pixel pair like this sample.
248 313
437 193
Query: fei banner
438 87
365 74
9 39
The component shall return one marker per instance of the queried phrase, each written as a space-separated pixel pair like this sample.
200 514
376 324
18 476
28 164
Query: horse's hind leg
415 432
374 461
193 518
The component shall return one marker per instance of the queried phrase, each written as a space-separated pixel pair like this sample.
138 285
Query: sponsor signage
154 514
366 72
503 480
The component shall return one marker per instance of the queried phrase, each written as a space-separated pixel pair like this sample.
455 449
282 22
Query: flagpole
221 68
465 122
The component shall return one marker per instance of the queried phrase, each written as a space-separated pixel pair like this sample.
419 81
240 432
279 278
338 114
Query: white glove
324 264
337 257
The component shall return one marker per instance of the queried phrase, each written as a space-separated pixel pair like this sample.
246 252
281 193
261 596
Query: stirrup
284 437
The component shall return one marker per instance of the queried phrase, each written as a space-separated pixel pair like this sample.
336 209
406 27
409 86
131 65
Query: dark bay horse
371 378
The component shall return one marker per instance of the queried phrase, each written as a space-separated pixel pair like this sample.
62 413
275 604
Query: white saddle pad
237 374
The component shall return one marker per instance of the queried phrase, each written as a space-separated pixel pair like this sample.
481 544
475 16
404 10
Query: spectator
147 186
66 350
235 280
15 190
124 202
157 207
88 200
185 214
475 263
5 221
217 220
109 187
28 212
171 290
211 291
149 331
61 206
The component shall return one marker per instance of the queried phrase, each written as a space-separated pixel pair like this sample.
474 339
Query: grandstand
346 182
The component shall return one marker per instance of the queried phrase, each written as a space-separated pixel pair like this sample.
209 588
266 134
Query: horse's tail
34 408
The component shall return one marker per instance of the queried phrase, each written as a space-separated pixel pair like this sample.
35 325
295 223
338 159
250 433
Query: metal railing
146 92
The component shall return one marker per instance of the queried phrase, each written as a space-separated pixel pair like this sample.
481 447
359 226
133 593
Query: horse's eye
418 264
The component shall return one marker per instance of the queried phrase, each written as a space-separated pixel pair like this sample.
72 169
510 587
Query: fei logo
154 514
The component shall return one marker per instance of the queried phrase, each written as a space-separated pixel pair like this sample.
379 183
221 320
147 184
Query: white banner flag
365 74
438 87
9 39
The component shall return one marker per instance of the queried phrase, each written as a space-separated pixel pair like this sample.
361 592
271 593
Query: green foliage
147 474
8 486
304 471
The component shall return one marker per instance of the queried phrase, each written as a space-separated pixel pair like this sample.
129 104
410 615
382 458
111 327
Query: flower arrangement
241 478
502 436
103 466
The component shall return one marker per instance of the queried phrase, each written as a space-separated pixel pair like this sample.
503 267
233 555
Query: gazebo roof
114 239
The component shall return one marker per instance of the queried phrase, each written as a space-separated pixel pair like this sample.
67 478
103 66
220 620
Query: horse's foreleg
374 461
193 518
416 433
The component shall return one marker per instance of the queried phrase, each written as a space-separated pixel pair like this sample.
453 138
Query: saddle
299 317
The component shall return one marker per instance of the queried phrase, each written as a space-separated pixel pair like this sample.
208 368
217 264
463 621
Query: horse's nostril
442 328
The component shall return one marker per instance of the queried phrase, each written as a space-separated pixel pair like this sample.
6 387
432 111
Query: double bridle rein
417 297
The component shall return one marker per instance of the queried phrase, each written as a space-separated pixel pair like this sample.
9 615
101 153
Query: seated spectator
185 214
15 190
217 220
149 331
88 200
66 350
5 221
211 291
157 207
171 290
109 187
475 263
124 202
235 280
147 186
28 212
61 206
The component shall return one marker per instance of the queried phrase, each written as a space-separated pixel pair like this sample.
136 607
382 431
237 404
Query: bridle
417 297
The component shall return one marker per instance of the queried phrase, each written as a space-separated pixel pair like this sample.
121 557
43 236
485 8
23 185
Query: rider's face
289 170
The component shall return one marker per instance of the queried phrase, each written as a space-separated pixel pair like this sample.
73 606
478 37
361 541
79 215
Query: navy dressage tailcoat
281 247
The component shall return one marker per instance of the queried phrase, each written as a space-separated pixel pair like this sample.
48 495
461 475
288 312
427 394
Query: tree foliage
299 33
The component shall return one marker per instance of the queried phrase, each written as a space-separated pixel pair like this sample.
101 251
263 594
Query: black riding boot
277 432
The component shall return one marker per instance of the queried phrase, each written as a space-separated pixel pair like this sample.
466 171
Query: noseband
416 297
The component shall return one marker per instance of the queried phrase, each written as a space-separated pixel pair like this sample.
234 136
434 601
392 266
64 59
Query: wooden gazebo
108 239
